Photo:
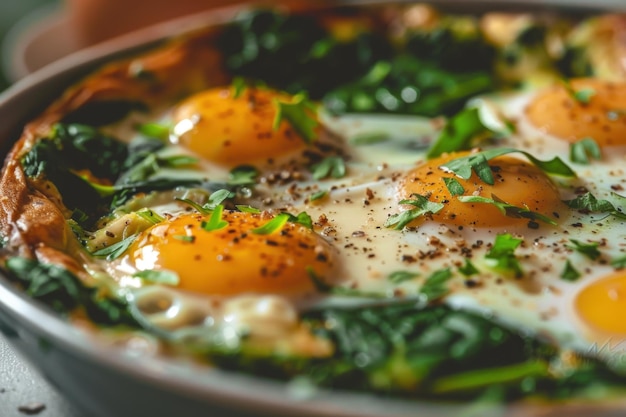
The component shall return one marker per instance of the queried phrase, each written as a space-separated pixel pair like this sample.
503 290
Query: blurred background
12 11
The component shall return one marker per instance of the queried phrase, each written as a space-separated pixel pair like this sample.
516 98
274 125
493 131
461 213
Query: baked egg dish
395 200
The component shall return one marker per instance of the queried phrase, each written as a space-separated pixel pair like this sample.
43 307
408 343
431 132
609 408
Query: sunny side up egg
352 243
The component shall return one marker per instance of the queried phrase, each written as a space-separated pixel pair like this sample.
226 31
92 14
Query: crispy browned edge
33 219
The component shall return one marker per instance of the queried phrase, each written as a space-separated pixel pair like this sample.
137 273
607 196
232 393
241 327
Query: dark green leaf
400 276
302 218
244 175
300 114
569 272
423 207
619 263
468 269
590 250
584 150
319 195
460 133
508 209
332 166
435 285
454 187
503 253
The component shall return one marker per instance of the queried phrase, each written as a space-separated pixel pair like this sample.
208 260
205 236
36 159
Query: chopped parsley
589 203
435 285
159 277
300 114
454 187
273 226
185 238
477 163
239 86
150 216
115 250
584 150
422 207
244 175
569 272
619 263
155 130
248 209
503 254
590 250
215 222
400 276
468 269
332 166
461 132
319 195
507 209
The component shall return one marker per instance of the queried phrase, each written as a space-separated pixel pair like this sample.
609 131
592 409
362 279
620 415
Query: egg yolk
591 108
517 182
234 259
231 129
602 304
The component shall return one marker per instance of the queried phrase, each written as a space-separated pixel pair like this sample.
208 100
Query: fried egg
233 277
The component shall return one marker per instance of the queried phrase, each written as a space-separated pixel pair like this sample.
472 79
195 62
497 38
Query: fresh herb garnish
302 219
150 216
503 254
589 203
155 130
318 195
590 250
215 222
185 238
464 166
158 277
369 138
461 132
215 199
331 166
454 187
400 276
435 285
273 226
239 86
570 273
468 269
619 263
422 207
244 175
584 150
248 209
115 250
507 209
300 114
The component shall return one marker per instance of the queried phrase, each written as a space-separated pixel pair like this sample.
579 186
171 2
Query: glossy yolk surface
597 113
602 304
233 130
517 182
234 260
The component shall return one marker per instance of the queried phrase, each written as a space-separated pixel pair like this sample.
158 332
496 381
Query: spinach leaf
64 292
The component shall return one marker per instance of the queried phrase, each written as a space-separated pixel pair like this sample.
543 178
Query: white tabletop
23 389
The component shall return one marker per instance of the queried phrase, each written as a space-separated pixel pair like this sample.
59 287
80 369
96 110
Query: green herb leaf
185 238
116 250
159 277
588 202
332 166
369 138
217 198
244 175
454 187
239 86
302 218
468 269
150 216
619 263
508 209
319 195
460 133
477 162
590 250
584 95
155 130
569 272
200 209
503 253
215 222
300 114
274 225
435 285
248 209
584 150
423 207
400 276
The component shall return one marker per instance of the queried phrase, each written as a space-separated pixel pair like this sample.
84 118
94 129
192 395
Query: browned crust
32 215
